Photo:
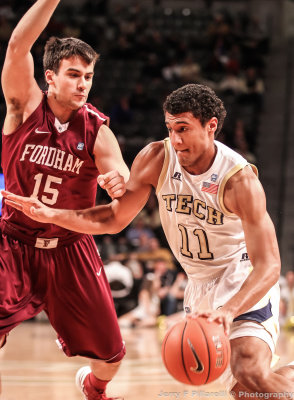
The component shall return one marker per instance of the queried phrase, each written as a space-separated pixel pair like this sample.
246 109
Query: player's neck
203 163
62 113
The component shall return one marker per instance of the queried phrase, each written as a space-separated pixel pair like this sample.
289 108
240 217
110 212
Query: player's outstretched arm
20 89
110 218
246 198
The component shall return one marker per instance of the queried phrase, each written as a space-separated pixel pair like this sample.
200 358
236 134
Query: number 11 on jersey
204 253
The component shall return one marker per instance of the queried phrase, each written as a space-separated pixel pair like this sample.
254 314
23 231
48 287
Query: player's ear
49 76
212 124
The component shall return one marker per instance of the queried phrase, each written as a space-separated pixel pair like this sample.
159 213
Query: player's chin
184 162
78 103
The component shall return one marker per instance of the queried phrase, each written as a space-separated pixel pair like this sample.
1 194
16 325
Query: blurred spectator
172 297
241 144
122 245
187 71
287 296
154 252
5 29
121 113
120 279
252 88
154 286
107 248
139 98
230 83
137 229
152 68
121 283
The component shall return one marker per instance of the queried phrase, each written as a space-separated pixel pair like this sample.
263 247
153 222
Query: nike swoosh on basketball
199 366
38 131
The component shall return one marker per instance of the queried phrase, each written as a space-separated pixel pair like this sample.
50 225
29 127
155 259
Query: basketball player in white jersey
213 211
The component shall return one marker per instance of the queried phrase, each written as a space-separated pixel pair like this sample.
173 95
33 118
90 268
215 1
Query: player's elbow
17 47
273 274
14 44
276 271
115 227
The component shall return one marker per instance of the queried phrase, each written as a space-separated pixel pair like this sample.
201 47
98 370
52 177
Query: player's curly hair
56 49
200 100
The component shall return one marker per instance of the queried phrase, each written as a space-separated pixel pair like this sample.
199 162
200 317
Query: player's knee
114 365
286 371
252 377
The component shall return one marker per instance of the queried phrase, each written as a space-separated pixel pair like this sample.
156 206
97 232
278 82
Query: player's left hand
220 316
30 206
113 182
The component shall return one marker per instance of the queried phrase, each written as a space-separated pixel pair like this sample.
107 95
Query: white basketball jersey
207 240
203 235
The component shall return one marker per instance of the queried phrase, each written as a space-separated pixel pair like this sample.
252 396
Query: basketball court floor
33 368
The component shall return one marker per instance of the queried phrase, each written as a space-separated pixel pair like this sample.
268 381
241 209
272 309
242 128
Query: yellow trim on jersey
233 171
272 328
163 172
275 360
254 169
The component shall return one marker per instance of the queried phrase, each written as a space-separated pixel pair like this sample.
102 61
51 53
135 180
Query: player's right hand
220 316
30 206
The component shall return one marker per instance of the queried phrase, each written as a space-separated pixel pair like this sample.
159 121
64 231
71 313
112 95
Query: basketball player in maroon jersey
55 146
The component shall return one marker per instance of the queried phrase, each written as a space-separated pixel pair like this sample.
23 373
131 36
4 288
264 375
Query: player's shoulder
148 163
244 176
153 150
93 113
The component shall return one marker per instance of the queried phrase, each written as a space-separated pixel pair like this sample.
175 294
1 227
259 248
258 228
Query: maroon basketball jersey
53 162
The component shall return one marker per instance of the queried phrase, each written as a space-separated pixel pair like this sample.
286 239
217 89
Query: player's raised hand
113 182
30 206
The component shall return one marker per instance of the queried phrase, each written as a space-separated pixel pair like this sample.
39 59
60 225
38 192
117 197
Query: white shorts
261 321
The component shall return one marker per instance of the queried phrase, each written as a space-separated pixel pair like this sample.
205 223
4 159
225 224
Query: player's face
193 143
71 85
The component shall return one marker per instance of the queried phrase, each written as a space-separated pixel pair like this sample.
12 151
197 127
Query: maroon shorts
70 284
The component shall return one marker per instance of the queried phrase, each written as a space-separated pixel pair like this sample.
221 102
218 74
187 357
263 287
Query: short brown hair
57 49
200 100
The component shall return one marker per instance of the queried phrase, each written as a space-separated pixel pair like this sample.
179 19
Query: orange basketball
195 351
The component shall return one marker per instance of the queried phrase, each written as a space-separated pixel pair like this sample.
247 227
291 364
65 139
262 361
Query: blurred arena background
244 50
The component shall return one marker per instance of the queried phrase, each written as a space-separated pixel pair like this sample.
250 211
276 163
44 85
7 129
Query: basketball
195 351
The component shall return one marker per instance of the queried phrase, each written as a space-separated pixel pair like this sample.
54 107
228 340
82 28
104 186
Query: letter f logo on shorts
199 366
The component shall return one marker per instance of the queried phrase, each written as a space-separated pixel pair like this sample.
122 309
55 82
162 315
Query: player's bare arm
110 218
114 172
244 196
21 91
